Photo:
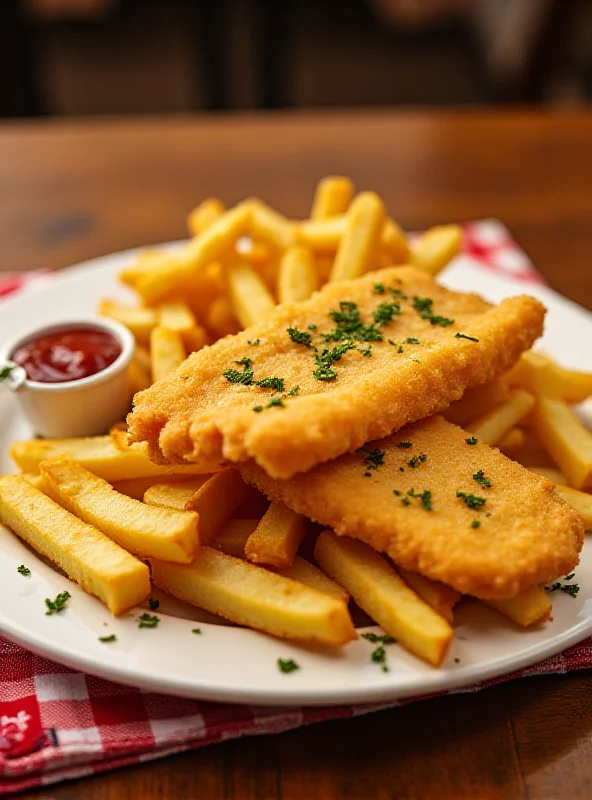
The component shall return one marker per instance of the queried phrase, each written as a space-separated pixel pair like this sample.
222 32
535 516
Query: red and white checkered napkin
57 724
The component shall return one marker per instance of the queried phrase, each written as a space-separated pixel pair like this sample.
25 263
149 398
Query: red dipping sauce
67 355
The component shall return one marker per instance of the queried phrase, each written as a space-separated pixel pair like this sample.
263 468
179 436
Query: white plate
237 665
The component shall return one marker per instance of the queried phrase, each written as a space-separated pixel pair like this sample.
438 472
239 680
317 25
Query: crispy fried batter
523 534
370 390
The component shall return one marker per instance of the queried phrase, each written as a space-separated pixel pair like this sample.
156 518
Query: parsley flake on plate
22 570
54 606
106 639
287 665
147 621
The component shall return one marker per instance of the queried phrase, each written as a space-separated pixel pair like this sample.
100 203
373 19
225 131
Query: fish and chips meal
320 431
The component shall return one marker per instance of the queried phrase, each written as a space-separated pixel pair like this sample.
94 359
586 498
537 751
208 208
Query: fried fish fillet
439 504
319 378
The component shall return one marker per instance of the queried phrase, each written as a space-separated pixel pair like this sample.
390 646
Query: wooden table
70 191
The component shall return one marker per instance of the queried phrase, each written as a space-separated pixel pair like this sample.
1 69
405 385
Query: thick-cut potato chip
436 248
579 501
203 215
140 321
297 278
277 537
269 226
256 597
359 246
493 426
86 555
174 494
527 608
440 597
216 501
384 596
566 439
232 536
144 530
539 374
250 298
332 196
167 351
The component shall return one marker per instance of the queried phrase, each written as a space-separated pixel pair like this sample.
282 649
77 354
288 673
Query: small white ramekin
82 407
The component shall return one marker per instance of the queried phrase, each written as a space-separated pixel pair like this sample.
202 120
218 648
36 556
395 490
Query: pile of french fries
118 523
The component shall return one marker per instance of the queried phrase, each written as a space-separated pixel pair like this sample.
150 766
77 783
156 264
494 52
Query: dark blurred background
73 57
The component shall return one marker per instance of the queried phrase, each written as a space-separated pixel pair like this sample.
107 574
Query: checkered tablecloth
57 724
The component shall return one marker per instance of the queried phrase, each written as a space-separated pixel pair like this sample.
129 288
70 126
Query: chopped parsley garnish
277 384
5 372
570 576
378 656
300 337
147 621
384 313
293 392
54 606
287 665
406 501
366 352
475 523
312 327
417 460
379 288
567 588
396 492
373 459
247 376
257 409
111 638
22 570
376 638
471 440
412 340
424 497
423 306
196 630
472 500
153 603
276 402
404 445
327 358
479 476
464 336
350 326
253 341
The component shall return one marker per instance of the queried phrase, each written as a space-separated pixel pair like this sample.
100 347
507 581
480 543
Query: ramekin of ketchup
71 377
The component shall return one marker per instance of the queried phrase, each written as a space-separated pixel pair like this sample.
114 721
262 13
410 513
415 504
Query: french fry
297 278
476 402
269 226
174 494
332 196
277 537
177 316
550 474
203 215
250 298
216 502
255 253
393 243
566 439
87 556
436 248
532 452
305 572
221 318
255 597
579 501
146 262
139 378
527 608
384 596
322 235
140 321
512 441
167 351
232 536
137 487
144 530
440 597
100 455
214 243
359 245
539 374
493 426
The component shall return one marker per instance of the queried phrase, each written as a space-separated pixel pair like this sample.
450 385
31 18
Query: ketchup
67 355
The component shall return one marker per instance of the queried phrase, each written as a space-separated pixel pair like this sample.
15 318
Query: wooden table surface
73 190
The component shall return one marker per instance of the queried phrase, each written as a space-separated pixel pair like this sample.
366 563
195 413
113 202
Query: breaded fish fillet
319 378
440 505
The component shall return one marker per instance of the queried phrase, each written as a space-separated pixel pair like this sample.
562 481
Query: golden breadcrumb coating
521 535
418 367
